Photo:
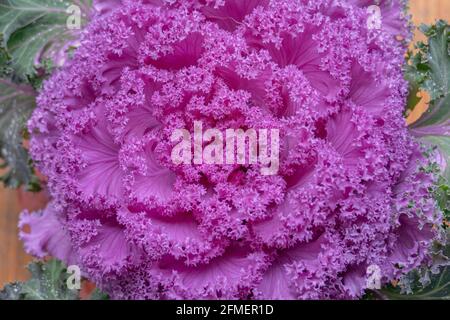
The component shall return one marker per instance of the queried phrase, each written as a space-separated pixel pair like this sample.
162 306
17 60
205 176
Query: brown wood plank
13 259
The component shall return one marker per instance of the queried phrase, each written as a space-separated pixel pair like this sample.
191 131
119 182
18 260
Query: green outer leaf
16 104
12 291
31 26
438 289
5 61
442 193
438 59
17 14
414 81
48 282
426 283
413 99
429 69
26 44
443 144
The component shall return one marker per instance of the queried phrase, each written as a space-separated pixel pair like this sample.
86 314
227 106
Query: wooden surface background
12 256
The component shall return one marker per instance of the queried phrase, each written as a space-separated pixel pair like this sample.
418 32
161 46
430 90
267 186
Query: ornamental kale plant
354 192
